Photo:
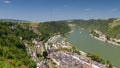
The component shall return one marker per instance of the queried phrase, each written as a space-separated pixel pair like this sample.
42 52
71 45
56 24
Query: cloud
114 9
87 9
7 1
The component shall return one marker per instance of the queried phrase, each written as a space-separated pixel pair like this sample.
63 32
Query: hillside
12 50
48 29
115 23
110 27
114 29
14 35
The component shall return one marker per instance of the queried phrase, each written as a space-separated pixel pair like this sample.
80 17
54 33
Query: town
61 57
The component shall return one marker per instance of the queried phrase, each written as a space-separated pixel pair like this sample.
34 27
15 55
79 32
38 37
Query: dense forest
12 50
48 29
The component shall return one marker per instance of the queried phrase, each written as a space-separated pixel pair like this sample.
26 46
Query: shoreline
106 41
70 32
83 54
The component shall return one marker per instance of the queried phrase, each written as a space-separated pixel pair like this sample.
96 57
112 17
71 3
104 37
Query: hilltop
13 20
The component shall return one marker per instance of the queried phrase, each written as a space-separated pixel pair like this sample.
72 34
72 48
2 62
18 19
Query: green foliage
12 50
113 32
96 58
24 32
101 25
39 56
54 63
47 66
48 29
3 65
94 33
76 50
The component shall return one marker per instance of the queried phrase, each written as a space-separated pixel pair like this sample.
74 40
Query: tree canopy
48 29
12 50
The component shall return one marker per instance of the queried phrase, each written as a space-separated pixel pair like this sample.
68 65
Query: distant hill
13 20
115 23
110 27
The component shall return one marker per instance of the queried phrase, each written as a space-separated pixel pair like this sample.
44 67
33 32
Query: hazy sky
47 10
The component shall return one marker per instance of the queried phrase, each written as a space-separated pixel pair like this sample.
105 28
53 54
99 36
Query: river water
83 41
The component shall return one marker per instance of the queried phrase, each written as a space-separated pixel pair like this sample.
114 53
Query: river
83 41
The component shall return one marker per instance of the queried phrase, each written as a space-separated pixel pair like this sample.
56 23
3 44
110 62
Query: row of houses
73 60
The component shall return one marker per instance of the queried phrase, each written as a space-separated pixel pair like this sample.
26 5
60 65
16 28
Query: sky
52 10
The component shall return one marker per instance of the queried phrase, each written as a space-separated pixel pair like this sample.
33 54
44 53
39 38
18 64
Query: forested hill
90 24
48 29
110 27
13 52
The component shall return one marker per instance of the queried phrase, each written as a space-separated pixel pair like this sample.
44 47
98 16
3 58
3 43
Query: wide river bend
83 41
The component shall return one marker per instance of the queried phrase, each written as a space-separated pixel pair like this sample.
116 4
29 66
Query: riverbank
64 50
88 44
107 41
69 32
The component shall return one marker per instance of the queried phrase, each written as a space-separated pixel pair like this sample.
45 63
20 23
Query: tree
45 54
